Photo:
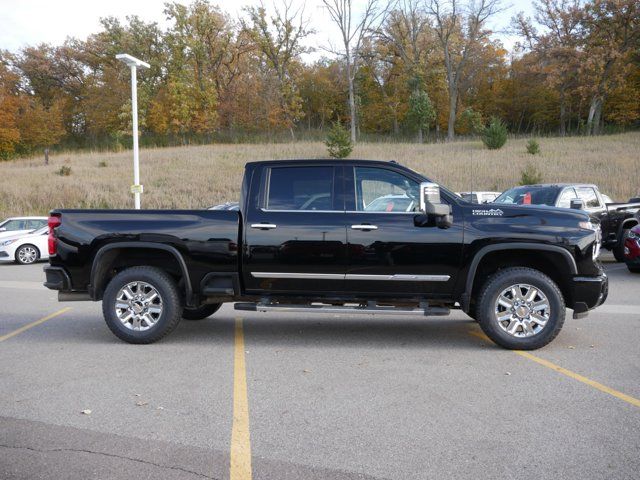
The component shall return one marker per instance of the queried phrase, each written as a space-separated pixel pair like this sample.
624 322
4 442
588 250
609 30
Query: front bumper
57 278
632 251
587 293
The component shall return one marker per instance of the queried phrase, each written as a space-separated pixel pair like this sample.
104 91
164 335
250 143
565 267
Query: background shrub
495 135
338 141
530 175
533 147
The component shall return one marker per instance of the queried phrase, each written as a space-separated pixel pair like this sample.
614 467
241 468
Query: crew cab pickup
615 219
347 236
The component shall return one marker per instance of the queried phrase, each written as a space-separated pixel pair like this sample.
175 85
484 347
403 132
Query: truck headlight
598 231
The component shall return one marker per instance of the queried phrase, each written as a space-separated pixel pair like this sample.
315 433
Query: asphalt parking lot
276 396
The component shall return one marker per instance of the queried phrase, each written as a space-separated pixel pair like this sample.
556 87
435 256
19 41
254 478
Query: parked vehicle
234 206
479 197
18 225
512 268
632 250
25 248
615 219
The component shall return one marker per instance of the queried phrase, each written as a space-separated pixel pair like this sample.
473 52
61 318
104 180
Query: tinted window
566 196
588 196
381 190
301 188
529 195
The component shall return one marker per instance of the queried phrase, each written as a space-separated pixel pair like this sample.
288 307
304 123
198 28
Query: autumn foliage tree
397 68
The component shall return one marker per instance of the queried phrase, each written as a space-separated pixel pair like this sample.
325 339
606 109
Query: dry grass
196 177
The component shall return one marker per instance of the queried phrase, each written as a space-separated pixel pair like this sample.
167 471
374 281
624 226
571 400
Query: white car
25 248
18 225
479 197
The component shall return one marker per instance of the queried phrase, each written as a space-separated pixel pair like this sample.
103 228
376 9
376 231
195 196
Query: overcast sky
29 22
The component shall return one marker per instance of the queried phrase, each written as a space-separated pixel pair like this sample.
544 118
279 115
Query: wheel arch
544 258
167 257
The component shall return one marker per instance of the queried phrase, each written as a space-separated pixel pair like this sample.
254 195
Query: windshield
529 195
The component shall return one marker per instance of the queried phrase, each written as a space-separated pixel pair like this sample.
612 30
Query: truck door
294 233
388 253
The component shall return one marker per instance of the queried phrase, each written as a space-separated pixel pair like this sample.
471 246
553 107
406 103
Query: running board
370 309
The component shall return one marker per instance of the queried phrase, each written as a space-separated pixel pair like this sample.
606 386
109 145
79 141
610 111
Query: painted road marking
22 285
33 324
576 376
240 441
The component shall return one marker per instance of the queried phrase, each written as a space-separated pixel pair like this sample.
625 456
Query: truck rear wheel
521 308
142 305
201 312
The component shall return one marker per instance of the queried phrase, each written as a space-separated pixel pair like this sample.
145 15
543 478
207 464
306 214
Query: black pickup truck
615 219
344 236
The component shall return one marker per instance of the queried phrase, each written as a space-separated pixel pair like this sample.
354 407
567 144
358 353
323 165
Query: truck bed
206 239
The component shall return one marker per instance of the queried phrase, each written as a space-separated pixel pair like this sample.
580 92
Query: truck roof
342 161
561 185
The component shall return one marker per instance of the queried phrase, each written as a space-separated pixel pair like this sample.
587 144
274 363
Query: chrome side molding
350 276
264 226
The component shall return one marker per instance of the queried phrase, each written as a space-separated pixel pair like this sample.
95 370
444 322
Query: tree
40 127
612 32
353 32
558 48
279 40
421 112
460 29
9 102
338 142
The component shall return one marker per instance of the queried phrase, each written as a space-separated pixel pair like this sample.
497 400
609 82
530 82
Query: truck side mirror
437 212
576 204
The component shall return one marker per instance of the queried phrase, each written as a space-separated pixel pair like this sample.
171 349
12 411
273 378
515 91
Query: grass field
200 176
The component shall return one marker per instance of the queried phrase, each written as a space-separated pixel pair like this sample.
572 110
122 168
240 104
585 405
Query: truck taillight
54 221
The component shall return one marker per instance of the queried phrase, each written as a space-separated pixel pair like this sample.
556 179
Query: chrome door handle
264 226
364 227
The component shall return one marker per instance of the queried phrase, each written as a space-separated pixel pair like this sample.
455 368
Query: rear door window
301 188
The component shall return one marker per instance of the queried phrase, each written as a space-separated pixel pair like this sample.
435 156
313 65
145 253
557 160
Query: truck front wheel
201 312
142 305
618 249
521 308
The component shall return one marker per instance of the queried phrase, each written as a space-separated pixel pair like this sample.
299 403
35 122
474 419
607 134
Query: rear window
529 196
300 188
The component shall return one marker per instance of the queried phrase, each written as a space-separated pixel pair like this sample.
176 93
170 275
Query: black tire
618 249
502 280
23 248
201 312
171 304
633 269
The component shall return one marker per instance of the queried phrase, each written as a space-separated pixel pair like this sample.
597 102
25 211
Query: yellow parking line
33 324
240 441
576 376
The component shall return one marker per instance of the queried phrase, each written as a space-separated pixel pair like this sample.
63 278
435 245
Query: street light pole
134 63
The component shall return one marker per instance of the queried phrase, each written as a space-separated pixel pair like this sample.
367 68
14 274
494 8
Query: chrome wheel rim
27 254
138 306
522 310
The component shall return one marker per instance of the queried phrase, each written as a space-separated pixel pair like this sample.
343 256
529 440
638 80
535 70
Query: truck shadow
278 331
